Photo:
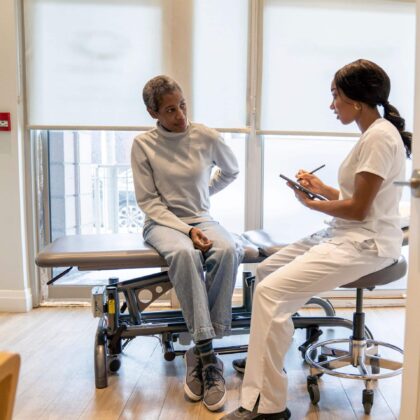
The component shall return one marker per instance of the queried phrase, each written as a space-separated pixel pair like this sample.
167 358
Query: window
285 217
91 184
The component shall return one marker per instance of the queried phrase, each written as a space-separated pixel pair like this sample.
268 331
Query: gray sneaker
239 365
193 385
214 385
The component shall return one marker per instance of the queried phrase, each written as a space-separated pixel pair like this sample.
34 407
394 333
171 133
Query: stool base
362 355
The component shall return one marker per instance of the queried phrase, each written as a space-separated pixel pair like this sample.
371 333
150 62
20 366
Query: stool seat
378 278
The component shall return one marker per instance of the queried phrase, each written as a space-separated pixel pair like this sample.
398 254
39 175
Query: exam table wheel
367 400
313 389
168 348
169 356
100 357
114 363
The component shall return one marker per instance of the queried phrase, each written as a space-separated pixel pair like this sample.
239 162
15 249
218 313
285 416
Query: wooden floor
57 379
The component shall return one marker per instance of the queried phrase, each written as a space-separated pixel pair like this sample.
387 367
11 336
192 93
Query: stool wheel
367 400
313 389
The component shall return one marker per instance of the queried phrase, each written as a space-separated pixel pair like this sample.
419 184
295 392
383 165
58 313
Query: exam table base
120 323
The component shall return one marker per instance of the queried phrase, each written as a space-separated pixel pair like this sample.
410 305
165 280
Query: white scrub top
380 151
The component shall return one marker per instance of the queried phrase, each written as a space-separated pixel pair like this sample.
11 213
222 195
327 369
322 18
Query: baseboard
15 300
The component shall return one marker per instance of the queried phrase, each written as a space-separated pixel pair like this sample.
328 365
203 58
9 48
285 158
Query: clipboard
299 187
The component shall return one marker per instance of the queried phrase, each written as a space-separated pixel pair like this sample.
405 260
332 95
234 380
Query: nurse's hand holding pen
310 181
314 184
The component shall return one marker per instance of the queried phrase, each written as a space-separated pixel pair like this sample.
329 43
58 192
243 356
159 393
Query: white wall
15 294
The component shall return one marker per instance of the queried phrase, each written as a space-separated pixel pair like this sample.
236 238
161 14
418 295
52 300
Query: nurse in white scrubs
362 237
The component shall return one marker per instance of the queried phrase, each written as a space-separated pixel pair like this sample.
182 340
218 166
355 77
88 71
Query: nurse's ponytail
393 116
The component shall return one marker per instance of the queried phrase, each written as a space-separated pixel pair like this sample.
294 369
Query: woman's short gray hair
155 88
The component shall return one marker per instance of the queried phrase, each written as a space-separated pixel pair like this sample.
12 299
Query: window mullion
254 149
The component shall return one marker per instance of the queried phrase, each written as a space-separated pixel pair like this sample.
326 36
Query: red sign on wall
5 121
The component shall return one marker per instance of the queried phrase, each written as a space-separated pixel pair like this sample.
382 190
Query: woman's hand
302 197
311 182
200 240
366 187
314 184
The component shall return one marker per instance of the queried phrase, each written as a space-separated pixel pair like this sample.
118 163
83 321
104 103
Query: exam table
123 307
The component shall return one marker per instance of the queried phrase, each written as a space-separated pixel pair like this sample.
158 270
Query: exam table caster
105 362
107 348
100 356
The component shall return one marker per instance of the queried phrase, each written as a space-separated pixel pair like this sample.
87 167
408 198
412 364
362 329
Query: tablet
299 187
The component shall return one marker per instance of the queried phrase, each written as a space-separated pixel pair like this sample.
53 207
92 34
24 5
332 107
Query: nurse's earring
357 107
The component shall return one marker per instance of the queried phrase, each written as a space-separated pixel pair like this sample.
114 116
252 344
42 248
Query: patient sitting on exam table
177 166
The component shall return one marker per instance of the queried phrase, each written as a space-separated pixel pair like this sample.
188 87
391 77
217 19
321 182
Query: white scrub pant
285 282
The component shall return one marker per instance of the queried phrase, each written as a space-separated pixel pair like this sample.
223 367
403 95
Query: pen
315 170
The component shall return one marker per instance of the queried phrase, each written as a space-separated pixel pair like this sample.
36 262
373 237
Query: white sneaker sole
218 405
191 394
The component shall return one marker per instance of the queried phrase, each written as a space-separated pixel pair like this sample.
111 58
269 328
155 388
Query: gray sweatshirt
173 177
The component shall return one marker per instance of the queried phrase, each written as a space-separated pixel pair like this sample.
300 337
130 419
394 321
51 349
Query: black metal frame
117 327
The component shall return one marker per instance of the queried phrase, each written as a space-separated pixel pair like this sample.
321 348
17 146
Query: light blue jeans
203 283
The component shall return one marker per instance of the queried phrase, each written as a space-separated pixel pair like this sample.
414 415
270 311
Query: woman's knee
261 271
261 291
185 256
226 252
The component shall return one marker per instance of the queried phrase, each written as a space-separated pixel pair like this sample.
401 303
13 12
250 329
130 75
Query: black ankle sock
206 352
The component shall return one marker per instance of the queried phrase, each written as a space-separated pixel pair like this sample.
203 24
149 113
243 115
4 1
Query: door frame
410 397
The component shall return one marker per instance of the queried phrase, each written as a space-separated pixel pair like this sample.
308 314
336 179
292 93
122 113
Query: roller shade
306 41
87 61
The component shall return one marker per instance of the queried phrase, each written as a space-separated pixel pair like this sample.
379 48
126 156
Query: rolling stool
361 352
